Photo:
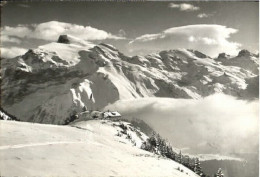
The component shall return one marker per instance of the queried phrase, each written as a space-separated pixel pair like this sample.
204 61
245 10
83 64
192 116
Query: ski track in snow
17 146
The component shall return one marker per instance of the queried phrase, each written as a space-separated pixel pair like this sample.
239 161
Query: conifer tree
219 173
197 168
179 157
186 160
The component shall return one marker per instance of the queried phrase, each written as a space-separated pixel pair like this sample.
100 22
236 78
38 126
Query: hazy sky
134 27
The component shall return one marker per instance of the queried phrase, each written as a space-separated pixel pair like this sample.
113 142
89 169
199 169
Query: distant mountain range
54 81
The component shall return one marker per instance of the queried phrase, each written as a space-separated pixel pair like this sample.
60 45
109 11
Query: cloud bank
215 124
12 52
51 30
184 7
7 38
210 39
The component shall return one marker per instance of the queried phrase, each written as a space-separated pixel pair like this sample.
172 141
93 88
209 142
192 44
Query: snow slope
89 148
57 80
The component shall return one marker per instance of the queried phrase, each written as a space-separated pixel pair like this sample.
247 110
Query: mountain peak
223 55
198 54
69 39
63 39
244 53
90 75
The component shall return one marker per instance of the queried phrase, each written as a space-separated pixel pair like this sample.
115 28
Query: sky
133 27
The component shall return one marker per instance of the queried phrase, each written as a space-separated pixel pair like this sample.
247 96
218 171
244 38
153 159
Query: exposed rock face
54 81
199 54
63 39
244 53
252 90
223 55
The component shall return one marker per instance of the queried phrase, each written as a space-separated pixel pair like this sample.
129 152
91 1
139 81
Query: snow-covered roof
112 114
4 116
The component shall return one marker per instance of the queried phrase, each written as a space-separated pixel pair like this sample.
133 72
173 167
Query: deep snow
89 148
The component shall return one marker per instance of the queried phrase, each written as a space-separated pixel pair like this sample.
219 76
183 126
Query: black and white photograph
129 88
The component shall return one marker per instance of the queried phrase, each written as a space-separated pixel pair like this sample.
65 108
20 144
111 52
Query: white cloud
6 38
184 7
18 31
51 30
218 121
210 39
12 52
203 15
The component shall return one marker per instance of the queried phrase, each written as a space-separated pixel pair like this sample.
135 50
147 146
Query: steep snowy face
56 80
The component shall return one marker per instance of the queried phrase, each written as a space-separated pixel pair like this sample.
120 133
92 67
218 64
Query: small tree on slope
219 173
197 168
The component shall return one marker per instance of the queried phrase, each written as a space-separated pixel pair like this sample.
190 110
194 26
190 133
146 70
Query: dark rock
63 39
223 55
198 54
244 53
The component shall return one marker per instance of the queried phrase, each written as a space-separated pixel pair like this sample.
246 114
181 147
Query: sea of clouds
215 124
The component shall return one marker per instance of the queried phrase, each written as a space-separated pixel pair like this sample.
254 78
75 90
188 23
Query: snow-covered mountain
54 81
245 60
88 148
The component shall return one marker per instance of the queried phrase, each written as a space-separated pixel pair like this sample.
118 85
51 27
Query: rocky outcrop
63 39
244 53
223 56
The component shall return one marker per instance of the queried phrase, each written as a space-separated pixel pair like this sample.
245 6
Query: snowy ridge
58 80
